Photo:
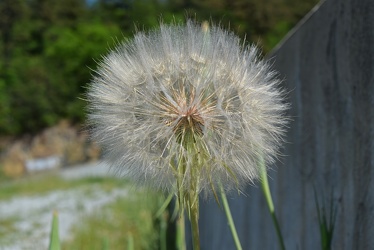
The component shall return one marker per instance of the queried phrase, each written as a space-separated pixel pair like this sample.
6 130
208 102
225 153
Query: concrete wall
327 62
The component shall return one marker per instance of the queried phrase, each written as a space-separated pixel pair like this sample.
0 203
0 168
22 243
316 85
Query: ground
26 212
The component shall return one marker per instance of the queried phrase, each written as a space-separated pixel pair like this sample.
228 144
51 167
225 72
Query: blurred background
48 50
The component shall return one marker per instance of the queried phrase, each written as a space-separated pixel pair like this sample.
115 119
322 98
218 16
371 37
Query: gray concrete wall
327 62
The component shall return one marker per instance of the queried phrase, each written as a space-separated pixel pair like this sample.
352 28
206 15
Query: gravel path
85 170
30 217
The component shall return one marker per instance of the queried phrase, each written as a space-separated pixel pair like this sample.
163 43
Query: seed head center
190 120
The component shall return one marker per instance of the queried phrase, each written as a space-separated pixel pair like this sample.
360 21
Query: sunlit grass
38 185
130 218
7 226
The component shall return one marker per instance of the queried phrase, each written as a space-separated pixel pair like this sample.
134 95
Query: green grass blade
105 244
54 243
326 221
166 203
130 242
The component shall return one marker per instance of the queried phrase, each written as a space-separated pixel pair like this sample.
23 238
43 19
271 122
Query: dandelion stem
181 240
229 219
194 199
269 200
195 225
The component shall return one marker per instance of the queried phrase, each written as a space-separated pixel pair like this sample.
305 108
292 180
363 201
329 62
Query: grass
7 226
38 185
128 220
326 220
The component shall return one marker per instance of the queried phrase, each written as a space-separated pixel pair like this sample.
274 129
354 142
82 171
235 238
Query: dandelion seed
182 107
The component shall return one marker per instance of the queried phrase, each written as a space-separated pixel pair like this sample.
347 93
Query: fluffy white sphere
182 96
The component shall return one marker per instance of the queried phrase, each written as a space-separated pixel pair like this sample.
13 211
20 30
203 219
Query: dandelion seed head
186 94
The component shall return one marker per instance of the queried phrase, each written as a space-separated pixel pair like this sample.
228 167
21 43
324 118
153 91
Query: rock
64 142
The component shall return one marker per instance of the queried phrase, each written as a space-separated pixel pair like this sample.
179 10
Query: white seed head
191 97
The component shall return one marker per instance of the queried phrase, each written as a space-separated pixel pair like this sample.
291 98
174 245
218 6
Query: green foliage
5 110
271 39
261 22
49 48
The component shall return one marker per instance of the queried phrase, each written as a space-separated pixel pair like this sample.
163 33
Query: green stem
229 219
181 240
163 231
193 193
195 225
269 200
